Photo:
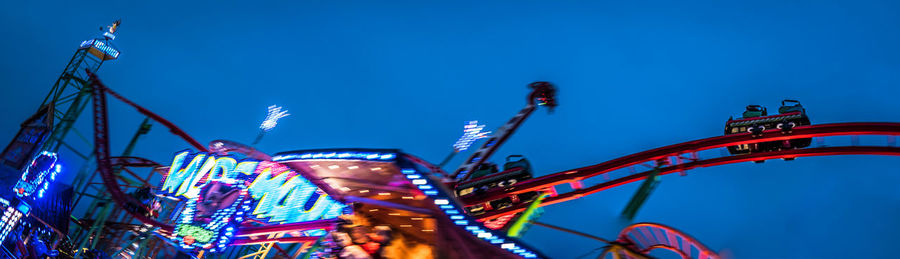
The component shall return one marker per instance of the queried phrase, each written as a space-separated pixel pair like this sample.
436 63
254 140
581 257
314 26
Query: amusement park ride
229 200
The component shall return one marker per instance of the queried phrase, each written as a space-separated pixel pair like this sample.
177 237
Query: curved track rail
645 237
105 163
106 166
574 178
548 183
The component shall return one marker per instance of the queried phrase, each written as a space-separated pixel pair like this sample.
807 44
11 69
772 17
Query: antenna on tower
110 33
114 26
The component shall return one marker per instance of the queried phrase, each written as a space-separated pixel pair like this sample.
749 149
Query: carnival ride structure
388 187
403 189
339 186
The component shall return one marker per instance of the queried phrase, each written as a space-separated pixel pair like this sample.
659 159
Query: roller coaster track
250 235
105 163
644 237
548 183
574 178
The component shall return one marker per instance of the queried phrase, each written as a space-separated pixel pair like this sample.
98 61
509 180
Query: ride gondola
488 177
755 120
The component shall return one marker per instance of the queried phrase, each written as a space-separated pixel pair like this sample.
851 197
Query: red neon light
808 152
490 176
326 224
241 242
670 243
823 130
499 222
765 117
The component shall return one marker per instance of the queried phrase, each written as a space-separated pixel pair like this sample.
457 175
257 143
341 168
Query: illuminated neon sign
222 192
38 175
209 221
11 215
104 48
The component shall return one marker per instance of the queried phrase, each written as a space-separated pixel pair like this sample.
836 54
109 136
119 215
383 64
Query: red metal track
104 163
575 176
651 236
174 129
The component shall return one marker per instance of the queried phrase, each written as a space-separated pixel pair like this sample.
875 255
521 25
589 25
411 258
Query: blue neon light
205 226
453 211
10 217
102 47
24 208
375 156
269 183
37 176
419 180
471 133
265 191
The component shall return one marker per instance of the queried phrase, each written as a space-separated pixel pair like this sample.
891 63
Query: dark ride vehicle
756 119
487 177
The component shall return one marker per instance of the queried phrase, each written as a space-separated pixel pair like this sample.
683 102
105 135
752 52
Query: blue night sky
408 75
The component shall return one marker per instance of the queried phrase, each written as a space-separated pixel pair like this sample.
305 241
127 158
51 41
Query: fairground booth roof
293 196
401 191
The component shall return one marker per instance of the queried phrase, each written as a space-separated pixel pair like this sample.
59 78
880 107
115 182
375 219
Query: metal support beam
544 93
86 174
97 228
571 231
642 194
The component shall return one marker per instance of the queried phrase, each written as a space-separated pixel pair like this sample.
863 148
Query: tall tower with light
47 128
69 95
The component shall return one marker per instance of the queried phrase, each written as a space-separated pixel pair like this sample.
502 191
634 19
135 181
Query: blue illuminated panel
102 48
37 176
452 210
11 216
375 156
23 208
208 222
222 192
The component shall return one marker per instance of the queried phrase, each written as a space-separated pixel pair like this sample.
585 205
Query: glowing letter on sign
275 193
269 188
183 181
177 181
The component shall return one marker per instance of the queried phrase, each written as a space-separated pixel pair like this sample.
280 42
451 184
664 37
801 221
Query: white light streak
271 120
471 133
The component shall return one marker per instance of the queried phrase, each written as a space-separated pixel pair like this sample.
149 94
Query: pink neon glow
629 234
